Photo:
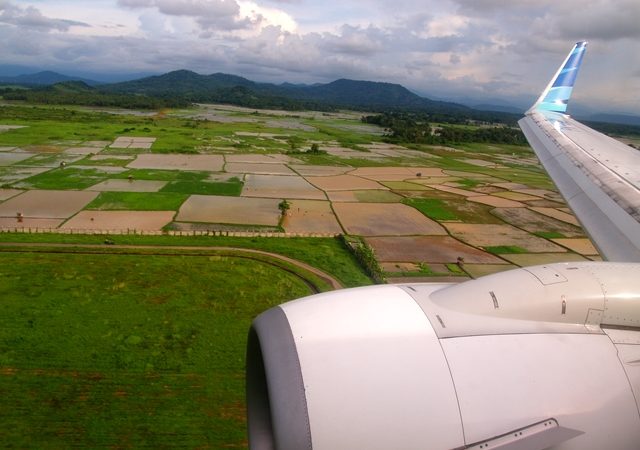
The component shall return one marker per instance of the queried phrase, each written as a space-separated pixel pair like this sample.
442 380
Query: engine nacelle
525 358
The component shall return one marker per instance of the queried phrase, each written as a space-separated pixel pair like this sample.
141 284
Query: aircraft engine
543 357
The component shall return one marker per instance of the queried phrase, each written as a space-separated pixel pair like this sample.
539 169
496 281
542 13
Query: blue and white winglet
598 176
555 97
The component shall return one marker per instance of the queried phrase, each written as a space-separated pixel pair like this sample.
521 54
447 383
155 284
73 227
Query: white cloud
437 47
30 18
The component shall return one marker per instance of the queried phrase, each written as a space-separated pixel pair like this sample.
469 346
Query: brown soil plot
490 235
429 249
311 216
258 168
395 173
366 196
320 170
343 183
384 219
278 186
233 210
534 222
534 259
47 204
212 163
582 246
29 222
128 186
495 201
119 220
556 214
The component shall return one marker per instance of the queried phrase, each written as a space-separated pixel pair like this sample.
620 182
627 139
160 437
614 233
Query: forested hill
44 78
343 93
182 87
80 93
371 94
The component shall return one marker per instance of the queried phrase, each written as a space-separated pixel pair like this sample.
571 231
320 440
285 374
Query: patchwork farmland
220 168
137 248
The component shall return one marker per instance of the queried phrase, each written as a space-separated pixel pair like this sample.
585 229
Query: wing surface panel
598 176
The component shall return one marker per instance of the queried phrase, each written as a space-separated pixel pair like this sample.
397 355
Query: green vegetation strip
68 178
316 282
506 249
138 201
433 208
228 188
129 351
327 254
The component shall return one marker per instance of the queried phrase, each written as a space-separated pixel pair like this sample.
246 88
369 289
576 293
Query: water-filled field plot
279 186
212 163
493 235
430 249
230 210
311 216
46 204
385 219
119 220
128 186
343 183
259 168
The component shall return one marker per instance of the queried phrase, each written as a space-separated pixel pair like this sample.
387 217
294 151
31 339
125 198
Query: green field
67 178
129 350
137 201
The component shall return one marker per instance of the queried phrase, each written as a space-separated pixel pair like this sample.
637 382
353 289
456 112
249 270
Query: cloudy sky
468 50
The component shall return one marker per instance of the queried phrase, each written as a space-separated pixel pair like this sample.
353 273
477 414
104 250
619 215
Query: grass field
327 254
128 351
137 201
68 178
433 208
232 187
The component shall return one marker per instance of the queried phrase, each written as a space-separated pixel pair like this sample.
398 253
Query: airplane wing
599 177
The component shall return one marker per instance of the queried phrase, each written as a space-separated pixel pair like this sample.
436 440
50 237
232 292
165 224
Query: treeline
616 129
416 128
238 96
91 98
243 96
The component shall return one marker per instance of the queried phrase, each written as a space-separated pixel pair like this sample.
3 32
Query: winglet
556 96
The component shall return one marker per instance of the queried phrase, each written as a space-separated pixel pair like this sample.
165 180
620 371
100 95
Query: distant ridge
624 119
44 78
499 108
184 86
343 92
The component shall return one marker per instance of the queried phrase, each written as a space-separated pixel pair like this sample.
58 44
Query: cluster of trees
243 96
415 128
616 129
91 98
365 256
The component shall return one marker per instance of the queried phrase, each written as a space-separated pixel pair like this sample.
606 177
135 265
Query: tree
284 206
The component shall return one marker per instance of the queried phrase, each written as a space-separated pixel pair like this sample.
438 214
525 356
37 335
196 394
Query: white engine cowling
521 359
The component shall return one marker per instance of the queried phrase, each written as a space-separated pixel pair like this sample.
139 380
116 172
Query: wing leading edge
599 177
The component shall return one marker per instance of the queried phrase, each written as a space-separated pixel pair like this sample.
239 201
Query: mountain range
220 87
43 78
366 94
